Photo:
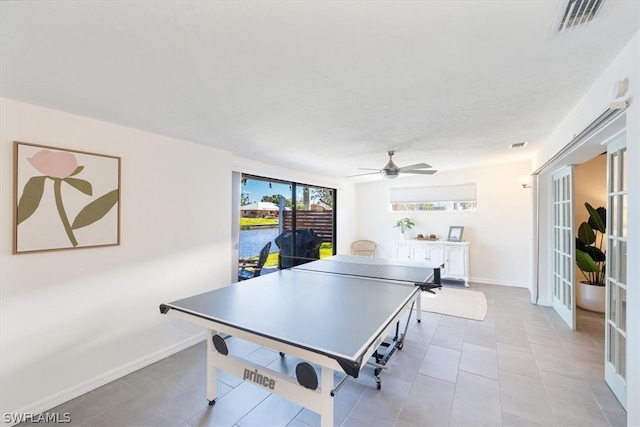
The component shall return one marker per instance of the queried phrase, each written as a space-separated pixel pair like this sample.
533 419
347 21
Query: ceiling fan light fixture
391 170
387 174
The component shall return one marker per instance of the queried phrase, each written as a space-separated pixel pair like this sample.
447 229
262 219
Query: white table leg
212 371
326 416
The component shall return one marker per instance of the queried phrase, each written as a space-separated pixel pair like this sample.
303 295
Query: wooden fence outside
319 221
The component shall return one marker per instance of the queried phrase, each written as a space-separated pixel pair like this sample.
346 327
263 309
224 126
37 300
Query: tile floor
521 366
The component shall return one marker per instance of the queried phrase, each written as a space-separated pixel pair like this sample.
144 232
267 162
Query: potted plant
404 224
591 260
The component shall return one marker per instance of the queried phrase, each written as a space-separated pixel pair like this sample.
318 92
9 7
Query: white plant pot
590 297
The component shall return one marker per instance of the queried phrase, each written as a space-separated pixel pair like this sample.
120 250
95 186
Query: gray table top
335 315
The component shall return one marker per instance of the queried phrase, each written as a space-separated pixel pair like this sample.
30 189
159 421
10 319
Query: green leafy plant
404 224
590 244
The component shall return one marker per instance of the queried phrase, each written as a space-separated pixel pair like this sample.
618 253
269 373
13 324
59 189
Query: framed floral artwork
64 199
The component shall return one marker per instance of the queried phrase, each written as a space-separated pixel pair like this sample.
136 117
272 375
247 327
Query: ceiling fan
390 170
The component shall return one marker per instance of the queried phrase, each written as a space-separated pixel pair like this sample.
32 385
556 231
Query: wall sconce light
620 88
525 181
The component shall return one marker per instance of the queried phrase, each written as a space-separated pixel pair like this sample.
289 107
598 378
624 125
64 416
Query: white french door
616 271
563 246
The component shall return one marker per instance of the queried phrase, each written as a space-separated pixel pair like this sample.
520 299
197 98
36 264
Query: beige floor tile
381 407
480 335
456 322
451 372
477 398
555 360
604 396
428 403
404 364
479 360
441 363
616 419
448 337
541 335
274 410
458 421
230 408
525 398
513 334
572 401
509 420
517 359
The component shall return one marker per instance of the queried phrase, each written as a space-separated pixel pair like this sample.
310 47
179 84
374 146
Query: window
437 198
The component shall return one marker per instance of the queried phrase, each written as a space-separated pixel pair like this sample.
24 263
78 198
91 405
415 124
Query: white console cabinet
454 255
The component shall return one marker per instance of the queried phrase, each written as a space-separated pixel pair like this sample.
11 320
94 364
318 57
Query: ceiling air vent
574 13
518 145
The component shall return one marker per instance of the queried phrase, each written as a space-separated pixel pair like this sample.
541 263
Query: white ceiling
320 86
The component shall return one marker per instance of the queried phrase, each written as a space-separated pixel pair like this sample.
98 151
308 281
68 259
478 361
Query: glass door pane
563 253
309 225
616 271
262 205
315 219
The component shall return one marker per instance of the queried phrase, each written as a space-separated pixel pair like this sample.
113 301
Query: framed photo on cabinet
455 234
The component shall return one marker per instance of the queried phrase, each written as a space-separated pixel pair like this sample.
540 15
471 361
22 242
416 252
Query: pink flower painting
59 171
55 164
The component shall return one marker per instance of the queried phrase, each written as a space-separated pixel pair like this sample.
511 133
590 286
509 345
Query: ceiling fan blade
363 174
390 170
416 166
427 172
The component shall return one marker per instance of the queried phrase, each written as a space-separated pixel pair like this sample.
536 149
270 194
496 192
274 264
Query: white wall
594 102
74 320
498 230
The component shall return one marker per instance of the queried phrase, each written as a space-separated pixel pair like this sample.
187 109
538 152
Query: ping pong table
335 313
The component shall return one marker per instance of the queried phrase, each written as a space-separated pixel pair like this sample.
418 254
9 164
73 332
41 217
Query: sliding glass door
298 220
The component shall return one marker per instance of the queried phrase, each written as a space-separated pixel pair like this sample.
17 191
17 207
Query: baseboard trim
89 385
497 282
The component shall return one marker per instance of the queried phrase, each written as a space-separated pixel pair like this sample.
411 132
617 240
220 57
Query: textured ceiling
324 87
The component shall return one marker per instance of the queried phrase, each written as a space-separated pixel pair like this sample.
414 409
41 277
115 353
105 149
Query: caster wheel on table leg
281 354
212 402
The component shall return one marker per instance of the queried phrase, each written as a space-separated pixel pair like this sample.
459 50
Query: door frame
584 146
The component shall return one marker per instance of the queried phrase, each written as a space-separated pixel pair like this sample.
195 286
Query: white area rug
456 302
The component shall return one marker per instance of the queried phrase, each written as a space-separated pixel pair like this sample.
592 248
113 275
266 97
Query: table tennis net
374 271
